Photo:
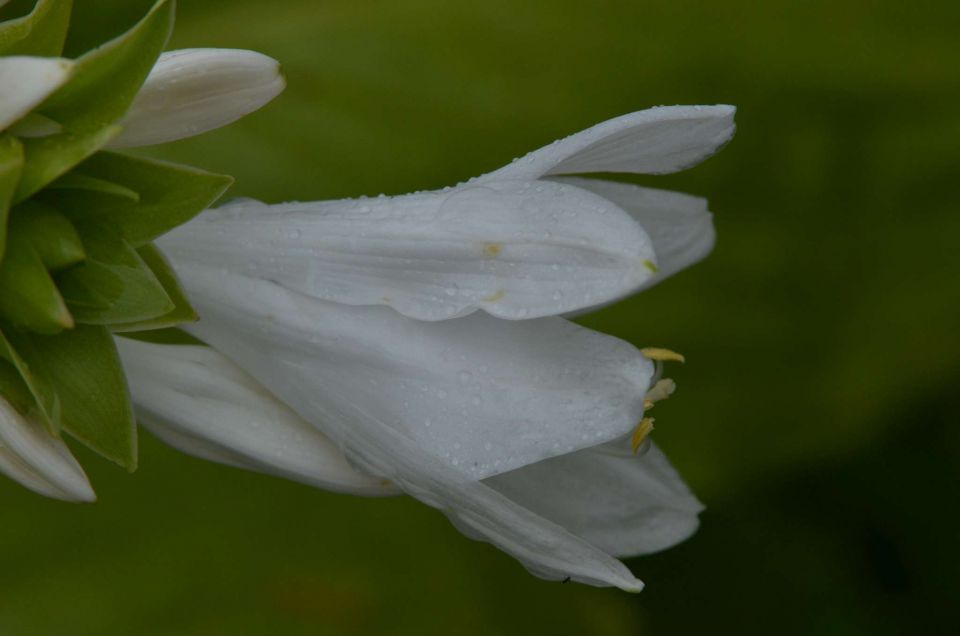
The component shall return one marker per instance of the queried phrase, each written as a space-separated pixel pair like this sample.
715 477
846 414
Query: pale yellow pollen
495 296
640 434
650 265
660 391
648 404
662 355
492 250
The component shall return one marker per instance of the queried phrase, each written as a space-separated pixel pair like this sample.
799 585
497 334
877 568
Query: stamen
650 265
662 355
660 391
640 434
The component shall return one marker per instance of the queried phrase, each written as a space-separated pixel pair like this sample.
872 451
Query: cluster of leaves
76 224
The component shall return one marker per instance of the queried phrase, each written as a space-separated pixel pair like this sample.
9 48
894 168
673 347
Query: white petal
679 225
514 249
653 141
543 547
482 395
201 403
26 82
191 91
622 503
349 371
38 460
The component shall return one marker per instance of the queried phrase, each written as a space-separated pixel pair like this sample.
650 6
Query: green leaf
47 158
182 311
14 390
167 336
11 163
87 391
50 233
106 79
74 181
113 284
41 32
30 299
43 396
170 195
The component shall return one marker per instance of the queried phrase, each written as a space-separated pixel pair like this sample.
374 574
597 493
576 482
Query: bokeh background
818 413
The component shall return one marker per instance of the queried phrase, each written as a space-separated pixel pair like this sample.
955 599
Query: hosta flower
192 91
188 92
521 242
326 326
38 460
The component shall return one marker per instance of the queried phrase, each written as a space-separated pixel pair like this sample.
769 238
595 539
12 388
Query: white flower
522 242
196 400
187 92
32 456
518 431
191 91
521 431
26 82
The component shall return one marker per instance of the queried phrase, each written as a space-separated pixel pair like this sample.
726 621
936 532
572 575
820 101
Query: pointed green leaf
113 284
14 390
34 125
11 162
92 401
51 234
41 32
170 195
47 158
106 79
74 181
43 395
182 311
168 336
30 299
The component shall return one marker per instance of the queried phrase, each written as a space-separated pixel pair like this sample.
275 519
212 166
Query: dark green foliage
76 261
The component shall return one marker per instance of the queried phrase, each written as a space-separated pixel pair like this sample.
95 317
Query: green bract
76 225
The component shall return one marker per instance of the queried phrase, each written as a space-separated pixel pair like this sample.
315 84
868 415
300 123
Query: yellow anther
492 250
640 434
648 404
660 391
497 295
650 265
662 355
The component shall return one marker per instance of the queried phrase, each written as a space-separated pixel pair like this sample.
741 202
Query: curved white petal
545 548
653 141
191 91
513 249
38 460
622 503
482 395
368 378
26 82
679 225
200 402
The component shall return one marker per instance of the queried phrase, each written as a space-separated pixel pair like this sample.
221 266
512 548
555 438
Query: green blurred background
817 416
